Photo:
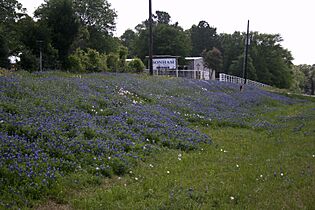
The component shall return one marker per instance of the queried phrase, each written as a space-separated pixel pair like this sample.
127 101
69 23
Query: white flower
130 172
221 150
179 159
97 168
261 176
313 155
281 174
232 198
136 178
179 155
109 158
1 121
168 172
237 166
94 158
119 178
151 165
225 151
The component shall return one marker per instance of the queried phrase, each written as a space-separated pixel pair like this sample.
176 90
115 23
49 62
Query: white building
196 66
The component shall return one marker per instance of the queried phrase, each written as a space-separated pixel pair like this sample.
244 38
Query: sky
292 19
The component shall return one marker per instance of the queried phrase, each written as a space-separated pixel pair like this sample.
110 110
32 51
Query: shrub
113 62
89 60
135 66
28 61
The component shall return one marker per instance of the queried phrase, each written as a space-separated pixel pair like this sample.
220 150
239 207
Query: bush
113 62
90 61
28 61
135 66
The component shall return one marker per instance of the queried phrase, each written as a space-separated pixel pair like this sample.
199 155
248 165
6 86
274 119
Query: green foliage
309 78
4 52
128 38
270 64
123 52
96 14
113 62
60 17
171 38
36 36
237 66
162 17
203 37
87 61
135 66
28 61
212 59
10 10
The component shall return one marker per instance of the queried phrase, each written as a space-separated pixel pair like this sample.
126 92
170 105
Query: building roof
164 56
193 58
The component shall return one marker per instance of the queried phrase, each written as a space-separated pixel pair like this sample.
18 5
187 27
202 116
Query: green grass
244 168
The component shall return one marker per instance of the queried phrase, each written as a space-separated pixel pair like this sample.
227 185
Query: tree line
77 35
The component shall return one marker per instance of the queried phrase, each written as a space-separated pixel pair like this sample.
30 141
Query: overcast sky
293 19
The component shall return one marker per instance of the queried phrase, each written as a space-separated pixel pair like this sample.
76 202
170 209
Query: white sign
164 63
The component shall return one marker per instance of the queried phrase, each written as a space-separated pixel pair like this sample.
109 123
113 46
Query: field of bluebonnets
54 124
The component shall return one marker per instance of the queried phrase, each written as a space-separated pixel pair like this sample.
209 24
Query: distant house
168 65
199 70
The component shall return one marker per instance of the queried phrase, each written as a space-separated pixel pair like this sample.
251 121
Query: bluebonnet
54 125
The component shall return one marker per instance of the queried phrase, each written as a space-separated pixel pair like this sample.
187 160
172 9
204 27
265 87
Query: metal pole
150 39
246 53
40 59
40 42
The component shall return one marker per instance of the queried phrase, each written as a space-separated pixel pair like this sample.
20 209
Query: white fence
238 80
191 74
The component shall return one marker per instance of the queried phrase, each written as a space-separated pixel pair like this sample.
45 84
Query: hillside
53 125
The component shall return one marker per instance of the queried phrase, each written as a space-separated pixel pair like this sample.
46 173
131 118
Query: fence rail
239 80
187 73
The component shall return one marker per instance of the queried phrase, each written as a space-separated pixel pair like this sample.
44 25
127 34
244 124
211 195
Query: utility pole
40 55
246 54
150 39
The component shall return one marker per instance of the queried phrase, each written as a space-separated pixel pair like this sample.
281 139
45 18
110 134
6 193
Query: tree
162 17
10 12
212 60
97 22
299 79
203 37
309 72
232 46
268 62
4 53
169 39
237 66
60 17
128 40
35 36
96 14
272 62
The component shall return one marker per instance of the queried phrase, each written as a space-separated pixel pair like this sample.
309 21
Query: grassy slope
269 167
243 169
